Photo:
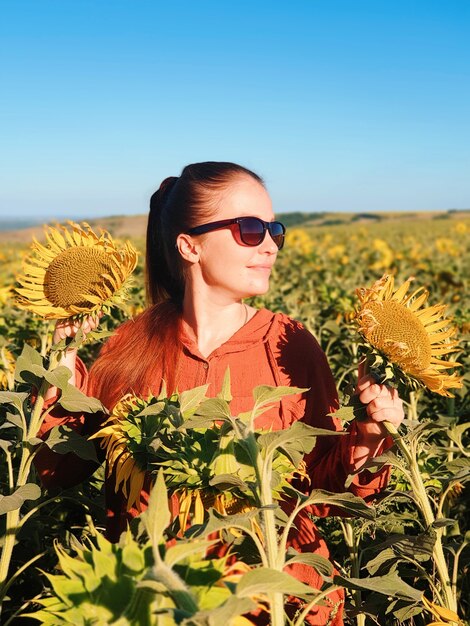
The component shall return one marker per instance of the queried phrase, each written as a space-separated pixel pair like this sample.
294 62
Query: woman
211 242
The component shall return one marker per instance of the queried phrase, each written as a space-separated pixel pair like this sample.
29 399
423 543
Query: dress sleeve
302 363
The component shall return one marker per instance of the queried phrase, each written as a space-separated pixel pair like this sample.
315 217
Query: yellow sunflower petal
76 273
408 336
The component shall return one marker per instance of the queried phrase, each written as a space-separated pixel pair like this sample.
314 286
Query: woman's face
227 266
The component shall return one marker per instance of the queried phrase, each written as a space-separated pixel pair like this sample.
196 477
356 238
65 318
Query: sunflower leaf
225 481
63 439
298 438
390 585
16 399
58 377
215 408
225 392
190 400
184 549
219 522
73 400
27 358
266 580
14 501
225 613
157 516
265 395
346 501
317 561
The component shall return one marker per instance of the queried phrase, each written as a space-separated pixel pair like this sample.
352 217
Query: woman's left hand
382 404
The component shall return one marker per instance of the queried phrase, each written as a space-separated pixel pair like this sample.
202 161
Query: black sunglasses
252 230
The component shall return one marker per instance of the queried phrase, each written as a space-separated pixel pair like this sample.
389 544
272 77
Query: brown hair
151 344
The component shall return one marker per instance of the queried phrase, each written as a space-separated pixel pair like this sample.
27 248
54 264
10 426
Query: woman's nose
268 245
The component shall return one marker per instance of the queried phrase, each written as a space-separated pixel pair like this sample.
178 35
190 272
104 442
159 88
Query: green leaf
197 421
5 445
73 400
27 358
13 419
217 522
185 549
191 399
225 613
332 327
384 558
30 491
157 516
225 392
418 548
14 398
345 413
215 408
152 409
264 395
133 557
62 439
318 562
266 580
300 437
59 377
346 501
389 585
225 481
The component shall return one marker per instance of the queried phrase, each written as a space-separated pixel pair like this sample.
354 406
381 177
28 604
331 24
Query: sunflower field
405 559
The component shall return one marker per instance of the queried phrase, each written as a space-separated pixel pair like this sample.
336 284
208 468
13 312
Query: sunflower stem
28 451
264 477
424 505
413 406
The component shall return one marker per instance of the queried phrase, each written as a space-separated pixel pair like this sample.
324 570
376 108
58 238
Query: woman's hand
69 328
382 404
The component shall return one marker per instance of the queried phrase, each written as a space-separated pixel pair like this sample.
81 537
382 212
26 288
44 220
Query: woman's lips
260 268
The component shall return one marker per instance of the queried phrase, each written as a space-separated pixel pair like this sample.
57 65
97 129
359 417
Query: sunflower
407 339
76 273
129 475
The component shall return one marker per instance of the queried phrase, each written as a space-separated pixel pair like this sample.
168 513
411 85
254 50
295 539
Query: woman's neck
212 322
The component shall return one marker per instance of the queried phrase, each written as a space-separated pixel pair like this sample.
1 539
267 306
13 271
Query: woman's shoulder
283 323
290 337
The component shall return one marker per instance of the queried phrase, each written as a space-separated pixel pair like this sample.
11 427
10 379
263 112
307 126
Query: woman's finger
374 391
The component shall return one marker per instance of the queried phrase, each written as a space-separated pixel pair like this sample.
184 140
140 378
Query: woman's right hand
69 328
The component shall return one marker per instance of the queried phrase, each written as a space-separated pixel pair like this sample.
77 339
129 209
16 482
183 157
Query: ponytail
162 280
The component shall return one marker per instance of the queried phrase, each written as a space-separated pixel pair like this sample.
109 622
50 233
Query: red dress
270 349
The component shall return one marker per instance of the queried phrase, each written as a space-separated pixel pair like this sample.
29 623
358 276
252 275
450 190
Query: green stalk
424 505
263 478
179 592
27 454
351 541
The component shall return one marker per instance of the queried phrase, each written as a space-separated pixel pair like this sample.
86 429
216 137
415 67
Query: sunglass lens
277 231
251 231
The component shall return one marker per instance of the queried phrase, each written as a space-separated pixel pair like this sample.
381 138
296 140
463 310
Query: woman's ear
188 248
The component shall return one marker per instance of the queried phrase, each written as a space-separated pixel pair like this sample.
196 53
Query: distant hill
124 226
17 224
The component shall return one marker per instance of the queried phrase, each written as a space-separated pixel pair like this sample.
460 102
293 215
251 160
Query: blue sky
340 105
